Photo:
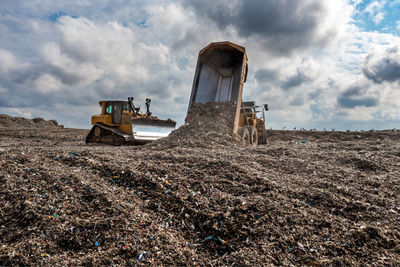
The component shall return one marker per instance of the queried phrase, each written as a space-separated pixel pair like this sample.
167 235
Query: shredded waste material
329 201
206 125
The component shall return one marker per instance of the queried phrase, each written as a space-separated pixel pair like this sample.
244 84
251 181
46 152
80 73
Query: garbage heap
206 125
7 121
330 201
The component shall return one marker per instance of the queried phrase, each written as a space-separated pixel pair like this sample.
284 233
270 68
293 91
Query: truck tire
262 137
244 135
253 135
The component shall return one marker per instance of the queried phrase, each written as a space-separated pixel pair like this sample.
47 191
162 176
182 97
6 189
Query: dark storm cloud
65 77
283 25
297 101
33 72
295 81
315 94
266 75
354 91
355 97
346 102
23 99
386 67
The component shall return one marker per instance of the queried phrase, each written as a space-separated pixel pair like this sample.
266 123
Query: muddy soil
304 198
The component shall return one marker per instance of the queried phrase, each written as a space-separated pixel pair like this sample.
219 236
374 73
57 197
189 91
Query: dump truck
220 74
120 122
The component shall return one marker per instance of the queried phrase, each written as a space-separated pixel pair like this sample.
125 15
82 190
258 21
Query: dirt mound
206 125
7 121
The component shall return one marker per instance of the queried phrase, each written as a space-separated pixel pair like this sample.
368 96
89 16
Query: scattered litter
141 255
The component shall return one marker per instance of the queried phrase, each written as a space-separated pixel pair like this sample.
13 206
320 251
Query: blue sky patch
381 16
55 16
142 24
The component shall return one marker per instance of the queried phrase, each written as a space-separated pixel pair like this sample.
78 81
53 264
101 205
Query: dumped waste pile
206 125
7 121
309 198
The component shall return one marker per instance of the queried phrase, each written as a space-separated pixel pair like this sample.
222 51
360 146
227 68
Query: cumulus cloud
47 83
283 26
61 57
376 10
381 66
67 70
91 60
8 62
356 2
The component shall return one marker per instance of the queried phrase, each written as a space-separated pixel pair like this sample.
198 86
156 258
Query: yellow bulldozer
120 122
220 74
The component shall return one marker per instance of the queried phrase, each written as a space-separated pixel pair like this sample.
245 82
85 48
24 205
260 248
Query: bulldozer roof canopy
112 101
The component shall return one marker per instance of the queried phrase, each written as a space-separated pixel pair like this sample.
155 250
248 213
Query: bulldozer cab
115 109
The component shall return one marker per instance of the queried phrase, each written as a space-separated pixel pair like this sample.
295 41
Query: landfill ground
305 198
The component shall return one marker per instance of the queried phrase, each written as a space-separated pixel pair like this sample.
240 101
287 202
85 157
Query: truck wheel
244 135
253 135
262 137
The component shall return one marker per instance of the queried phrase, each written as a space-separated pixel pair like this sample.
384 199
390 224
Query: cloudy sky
317 63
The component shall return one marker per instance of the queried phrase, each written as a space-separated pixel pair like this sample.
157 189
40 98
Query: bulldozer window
109 109
125 107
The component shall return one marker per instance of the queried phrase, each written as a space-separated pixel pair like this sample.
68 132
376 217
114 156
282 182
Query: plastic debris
141 255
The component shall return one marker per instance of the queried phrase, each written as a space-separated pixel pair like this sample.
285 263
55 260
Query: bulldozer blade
146 130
